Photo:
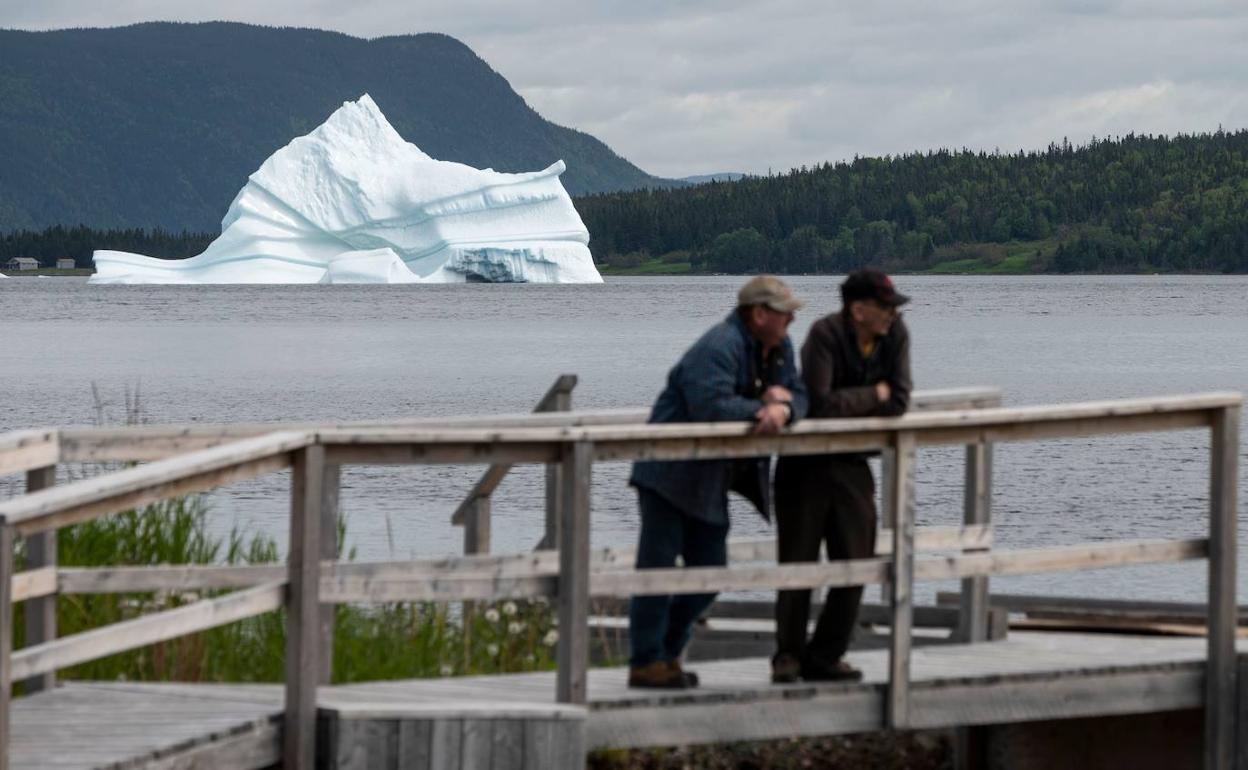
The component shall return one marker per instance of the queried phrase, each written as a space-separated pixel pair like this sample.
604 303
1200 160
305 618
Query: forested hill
1137 203
160 124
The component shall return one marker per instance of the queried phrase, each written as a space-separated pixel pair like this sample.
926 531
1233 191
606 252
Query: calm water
314 352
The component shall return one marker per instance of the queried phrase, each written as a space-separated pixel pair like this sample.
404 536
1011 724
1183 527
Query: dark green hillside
1138 203
158 125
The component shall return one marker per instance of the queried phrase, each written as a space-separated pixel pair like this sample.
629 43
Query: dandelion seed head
491 615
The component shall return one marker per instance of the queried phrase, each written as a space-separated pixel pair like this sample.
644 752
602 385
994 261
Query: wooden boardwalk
1030 676
549 720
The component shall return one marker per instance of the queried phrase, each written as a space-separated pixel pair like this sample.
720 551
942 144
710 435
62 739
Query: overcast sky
684 87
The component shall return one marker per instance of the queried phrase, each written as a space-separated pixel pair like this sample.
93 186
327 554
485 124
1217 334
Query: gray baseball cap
770 291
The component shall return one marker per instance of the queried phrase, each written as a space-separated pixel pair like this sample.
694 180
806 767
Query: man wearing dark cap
855 363
744 369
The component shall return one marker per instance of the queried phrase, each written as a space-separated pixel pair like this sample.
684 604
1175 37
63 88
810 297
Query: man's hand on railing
771 418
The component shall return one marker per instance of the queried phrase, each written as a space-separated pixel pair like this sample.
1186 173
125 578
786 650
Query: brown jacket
840 383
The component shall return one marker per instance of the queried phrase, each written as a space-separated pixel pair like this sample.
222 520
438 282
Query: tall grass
389 641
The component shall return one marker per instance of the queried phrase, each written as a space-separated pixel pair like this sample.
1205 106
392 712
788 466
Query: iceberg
353 202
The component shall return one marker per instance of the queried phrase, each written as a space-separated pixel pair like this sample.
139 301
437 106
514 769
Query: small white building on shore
66 263
22 263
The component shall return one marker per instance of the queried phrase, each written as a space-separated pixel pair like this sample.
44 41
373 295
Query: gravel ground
876 751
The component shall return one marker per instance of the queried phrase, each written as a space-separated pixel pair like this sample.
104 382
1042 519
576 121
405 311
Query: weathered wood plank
1059 558
196 471
149 629
303 633
27 450
536 563
572 653
414 744
1220 688
976 511
40 559
1127 609
507 749
476 522
7 674
331 491
31 584
446 742
476 744
901 579
541 581
156 442
259 747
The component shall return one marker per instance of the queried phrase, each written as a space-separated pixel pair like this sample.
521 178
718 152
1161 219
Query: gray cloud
694 86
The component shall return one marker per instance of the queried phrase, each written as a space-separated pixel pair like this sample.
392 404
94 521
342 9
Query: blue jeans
659 627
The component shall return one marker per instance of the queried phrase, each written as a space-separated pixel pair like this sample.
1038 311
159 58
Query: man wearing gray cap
744 369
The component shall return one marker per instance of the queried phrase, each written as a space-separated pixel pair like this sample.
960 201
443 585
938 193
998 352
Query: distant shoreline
48 272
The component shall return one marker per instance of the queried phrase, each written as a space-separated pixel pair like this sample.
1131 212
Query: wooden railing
311 582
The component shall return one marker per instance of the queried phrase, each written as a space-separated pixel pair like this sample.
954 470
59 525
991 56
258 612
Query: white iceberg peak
352 202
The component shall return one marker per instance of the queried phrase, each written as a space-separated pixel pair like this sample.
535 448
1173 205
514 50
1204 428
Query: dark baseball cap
869 283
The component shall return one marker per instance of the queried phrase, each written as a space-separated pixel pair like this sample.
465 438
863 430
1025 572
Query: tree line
78 242
1134 203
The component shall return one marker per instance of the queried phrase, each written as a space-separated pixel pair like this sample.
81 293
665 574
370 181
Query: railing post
41 612
897 704
331 487
573 653
6 638
1220 685
976 510
558 400
303 627
477 526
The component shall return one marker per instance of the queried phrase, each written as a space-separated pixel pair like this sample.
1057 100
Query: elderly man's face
873 316
770 326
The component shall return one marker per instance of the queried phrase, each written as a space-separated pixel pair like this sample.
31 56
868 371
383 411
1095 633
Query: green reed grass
389 641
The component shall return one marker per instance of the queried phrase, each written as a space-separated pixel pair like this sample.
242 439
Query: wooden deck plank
1028 676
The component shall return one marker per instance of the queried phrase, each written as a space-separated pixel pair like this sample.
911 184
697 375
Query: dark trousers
822 500
659 627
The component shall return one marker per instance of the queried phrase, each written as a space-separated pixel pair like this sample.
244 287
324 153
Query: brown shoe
837 672
785 668
661 675
691 678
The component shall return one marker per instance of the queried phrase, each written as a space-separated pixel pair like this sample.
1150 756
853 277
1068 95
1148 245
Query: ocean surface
76 354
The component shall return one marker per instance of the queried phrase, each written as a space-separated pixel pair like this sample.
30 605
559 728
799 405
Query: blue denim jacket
707 385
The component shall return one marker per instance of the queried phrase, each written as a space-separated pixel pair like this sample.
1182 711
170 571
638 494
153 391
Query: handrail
26 450
153 442
47 581
196 471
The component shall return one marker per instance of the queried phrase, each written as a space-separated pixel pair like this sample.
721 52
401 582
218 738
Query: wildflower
446 670
541 601
515 627
530 658
509 609
491 615
551 638
491 650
